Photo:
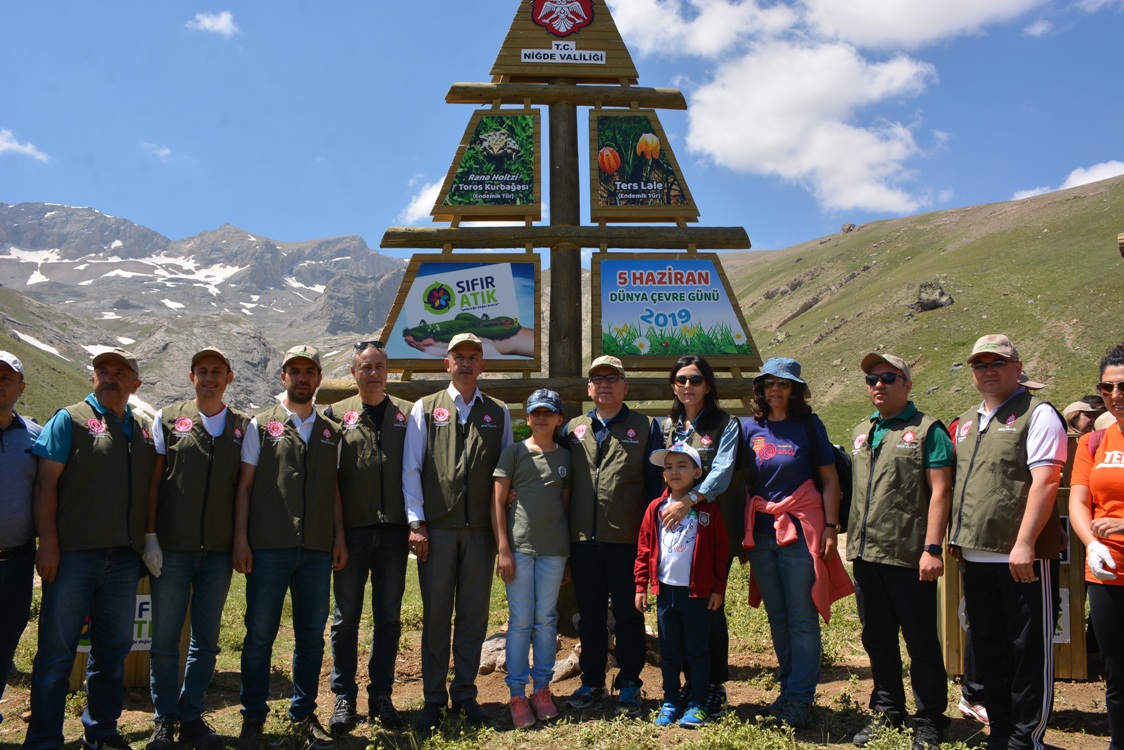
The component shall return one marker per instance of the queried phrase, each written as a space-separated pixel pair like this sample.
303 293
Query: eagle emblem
562 17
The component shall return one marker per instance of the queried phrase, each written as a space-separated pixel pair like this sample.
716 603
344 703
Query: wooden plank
627 238
483 94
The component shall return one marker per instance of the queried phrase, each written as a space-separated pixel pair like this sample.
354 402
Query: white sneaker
973 711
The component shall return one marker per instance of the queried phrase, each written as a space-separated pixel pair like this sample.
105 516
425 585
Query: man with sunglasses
612 485
1005 528
902 477
453 442
373 424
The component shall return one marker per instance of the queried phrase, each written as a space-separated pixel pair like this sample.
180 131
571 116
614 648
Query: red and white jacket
708 565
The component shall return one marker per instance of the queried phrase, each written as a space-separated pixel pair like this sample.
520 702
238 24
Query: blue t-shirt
54 441
784 458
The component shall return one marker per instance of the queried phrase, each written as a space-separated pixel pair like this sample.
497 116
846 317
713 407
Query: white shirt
215 425
251 443
417 443
677 550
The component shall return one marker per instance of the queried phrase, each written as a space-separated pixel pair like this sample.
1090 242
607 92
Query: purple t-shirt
784 458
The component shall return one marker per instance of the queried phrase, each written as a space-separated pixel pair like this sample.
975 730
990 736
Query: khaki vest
371 464
457 468
890 506
103 489
731 502
993 482
294 493
607 499
196 508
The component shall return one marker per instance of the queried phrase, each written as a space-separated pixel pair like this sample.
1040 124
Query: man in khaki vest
91 491
902 479
453 442
187 545
1009 455
288 536
374 519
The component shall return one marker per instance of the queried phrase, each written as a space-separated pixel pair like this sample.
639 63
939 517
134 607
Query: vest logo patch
183 424
965 428
562 471
441 414
400 418
145 433
1010 420
350 418
275 429
706 440
579 432
96 427
238 433
704 518
859 442
327 433
909 437
487 419
630 432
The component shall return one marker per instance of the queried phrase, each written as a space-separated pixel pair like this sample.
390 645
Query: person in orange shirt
1096 511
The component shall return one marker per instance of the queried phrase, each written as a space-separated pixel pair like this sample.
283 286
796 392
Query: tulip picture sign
634 174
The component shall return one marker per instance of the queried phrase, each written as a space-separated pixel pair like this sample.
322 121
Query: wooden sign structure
566 54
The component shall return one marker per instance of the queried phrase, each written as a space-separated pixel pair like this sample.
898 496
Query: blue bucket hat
781 367
544 399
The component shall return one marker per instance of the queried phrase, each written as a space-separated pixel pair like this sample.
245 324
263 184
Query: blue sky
300 120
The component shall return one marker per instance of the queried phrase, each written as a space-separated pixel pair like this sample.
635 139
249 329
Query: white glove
1099 558
154 556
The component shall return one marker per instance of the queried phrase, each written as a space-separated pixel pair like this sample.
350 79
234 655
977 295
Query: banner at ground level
492 296
142 626
654 308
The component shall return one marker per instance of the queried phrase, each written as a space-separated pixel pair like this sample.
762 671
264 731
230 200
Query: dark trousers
684 632
892 599
1106 604
16 576
602 572
719 644
1012 631
379 552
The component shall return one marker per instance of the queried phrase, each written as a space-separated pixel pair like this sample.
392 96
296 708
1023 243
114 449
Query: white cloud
1041 27
1024 194
421 204
160 152
1076 178
1093 6
9 145
697 27
215 23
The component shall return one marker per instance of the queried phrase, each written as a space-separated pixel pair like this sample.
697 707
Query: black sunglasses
360 346
1107 387
886 377
692 379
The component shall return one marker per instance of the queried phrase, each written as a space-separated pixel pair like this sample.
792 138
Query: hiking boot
199 733
715 701
628 698
926 736
472 711
973 711
693 718
774 708
251 737
343 715
315 738
585 696
112 742
668 715
542 702
874 725
521 714
794 713
382 710
163 735
430 717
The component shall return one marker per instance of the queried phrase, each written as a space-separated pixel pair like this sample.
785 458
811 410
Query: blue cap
658 457
781 367
544 399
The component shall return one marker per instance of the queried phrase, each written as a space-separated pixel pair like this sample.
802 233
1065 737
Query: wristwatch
836 526
694 497
415 525
934 549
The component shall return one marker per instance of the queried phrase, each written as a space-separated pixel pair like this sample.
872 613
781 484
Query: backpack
842 467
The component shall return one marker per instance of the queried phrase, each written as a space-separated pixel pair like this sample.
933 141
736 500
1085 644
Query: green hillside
1046 271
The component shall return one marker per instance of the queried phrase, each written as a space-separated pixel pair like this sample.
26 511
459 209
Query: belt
14 552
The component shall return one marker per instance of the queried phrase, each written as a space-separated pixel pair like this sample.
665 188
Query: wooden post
565 345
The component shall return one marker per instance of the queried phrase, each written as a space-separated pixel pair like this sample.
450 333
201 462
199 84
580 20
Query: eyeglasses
778 383
360 346
692 379
610 378
889 378
997 364
1107 388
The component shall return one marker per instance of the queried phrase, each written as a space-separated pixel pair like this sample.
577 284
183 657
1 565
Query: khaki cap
301 351
118 355
1030 385
872 359
995 343
210 351
607 361
465 338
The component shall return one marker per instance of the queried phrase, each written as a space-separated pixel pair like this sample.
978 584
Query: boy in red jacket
686 567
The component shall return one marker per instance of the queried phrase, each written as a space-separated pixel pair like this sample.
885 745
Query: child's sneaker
669 713
585 696
543 704
628 698
693 718
521 715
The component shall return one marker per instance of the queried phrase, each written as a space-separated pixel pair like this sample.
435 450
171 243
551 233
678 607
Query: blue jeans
684 639
532 620
381 552
785 576
204 579
307 574
16 579
103 584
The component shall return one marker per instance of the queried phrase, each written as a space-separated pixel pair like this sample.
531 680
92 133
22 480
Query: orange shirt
1103 474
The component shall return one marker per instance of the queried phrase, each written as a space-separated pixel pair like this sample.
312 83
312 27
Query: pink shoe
543 703
521 715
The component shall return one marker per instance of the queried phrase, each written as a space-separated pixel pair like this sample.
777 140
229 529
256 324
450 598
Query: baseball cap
210 351
872 359
544 398
607 361
12 361
1078 406
657 457
465 338
119 355
1030 385
995 343
301 351
780 367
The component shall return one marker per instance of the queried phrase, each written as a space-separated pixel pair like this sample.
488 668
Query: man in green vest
288 537
612 485
453 442
187 545
91 491
902 477
374 519
1005 527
